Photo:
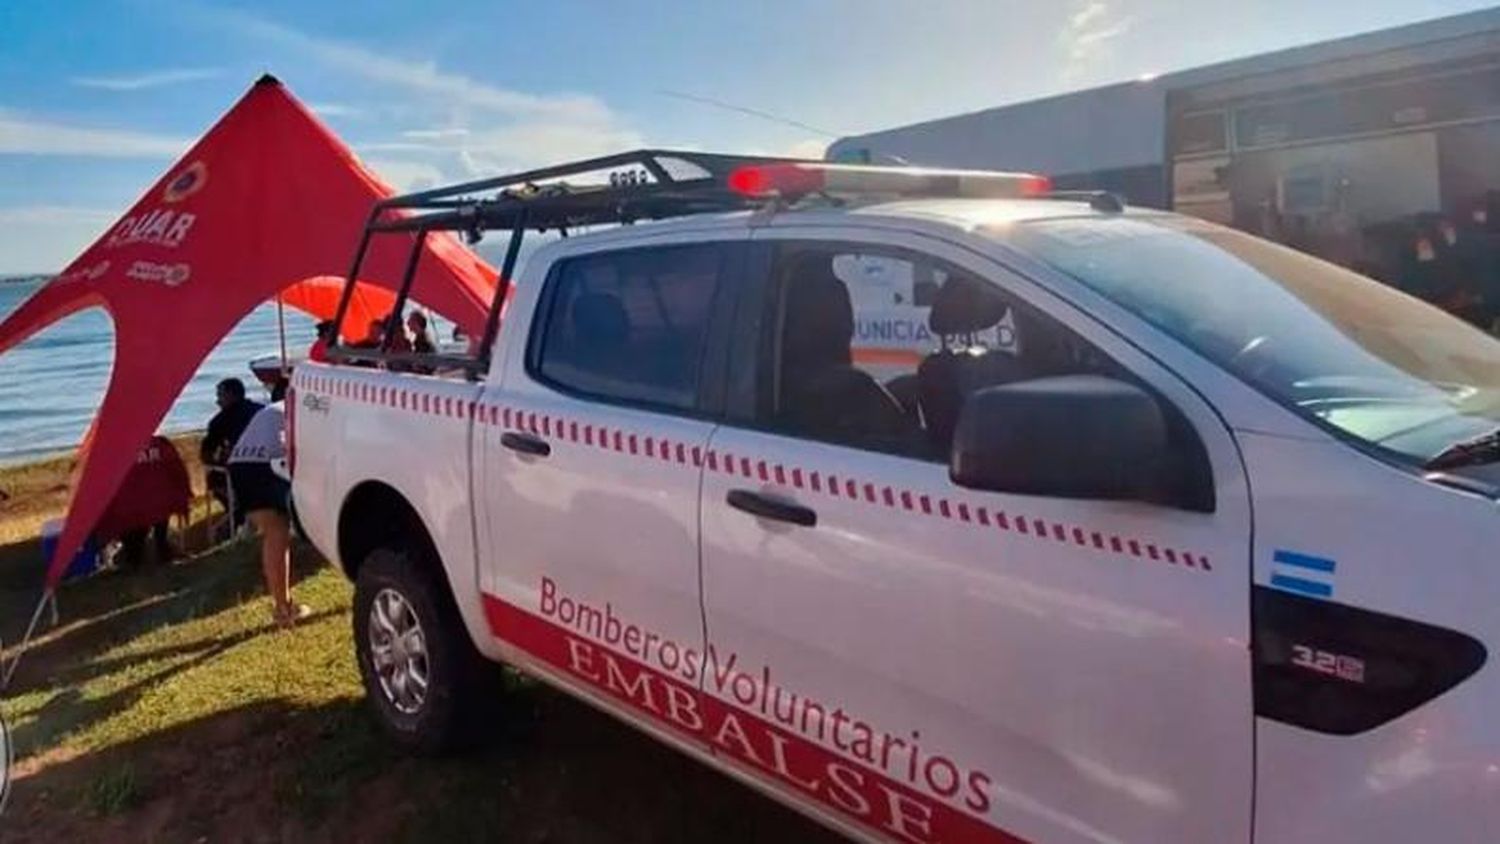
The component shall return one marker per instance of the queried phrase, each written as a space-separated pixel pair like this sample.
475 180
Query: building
1350 148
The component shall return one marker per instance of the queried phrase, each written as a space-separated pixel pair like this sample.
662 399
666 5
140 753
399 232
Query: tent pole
281 329
48 596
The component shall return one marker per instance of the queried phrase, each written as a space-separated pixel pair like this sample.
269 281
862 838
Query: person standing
262 494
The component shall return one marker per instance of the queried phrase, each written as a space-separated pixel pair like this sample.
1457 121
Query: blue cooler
85 562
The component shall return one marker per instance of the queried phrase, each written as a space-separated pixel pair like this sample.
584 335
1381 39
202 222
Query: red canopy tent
269 197
318 297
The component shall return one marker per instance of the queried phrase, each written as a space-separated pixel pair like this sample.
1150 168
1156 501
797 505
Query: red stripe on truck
842 784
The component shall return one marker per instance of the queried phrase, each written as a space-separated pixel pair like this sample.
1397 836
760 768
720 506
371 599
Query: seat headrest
601 318
819 314
965 305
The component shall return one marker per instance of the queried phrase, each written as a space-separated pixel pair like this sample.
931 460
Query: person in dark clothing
318 352
421 340
235 412
1479 250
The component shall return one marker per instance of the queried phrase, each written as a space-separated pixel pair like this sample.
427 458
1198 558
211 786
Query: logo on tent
169 274
188 182
84 273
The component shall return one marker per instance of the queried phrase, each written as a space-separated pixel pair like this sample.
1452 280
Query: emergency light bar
790 180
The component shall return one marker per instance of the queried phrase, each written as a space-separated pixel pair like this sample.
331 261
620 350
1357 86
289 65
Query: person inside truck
421 338
318 352
373 334
911 409
823 394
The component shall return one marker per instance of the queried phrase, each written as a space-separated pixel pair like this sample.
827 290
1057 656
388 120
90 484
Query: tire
461 686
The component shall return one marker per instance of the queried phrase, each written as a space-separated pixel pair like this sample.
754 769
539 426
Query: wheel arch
376 515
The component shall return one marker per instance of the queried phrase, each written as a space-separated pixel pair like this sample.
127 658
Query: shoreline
24 460
33 491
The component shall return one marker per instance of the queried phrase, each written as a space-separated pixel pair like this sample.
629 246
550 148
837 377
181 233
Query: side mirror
1077 436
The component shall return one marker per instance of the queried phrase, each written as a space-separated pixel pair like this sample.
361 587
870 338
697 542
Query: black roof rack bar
1099 200
565 207
716 165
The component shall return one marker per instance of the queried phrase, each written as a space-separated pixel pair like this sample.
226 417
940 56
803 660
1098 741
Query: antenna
774 118
753 112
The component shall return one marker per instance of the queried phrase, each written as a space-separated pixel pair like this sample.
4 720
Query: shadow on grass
66 712
113 608
552 770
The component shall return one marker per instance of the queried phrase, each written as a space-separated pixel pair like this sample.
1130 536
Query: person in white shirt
262 495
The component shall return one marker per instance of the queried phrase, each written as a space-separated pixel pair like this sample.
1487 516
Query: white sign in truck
1139 529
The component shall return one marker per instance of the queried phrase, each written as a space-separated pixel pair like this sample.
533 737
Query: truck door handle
767 507
525 443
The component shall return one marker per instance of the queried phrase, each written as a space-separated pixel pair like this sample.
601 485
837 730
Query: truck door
939 663
592 450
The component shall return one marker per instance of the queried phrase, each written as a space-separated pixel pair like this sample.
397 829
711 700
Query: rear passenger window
878 349
631 326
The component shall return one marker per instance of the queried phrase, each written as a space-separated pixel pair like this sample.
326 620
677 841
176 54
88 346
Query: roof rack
639 185
646 184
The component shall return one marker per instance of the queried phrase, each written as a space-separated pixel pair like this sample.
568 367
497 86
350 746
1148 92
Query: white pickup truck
1203 549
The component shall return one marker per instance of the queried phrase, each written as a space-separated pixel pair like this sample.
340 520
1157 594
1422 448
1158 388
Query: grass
114 792
165 707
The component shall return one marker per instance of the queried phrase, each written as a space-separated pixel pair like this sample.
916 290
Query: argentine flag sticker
1304 574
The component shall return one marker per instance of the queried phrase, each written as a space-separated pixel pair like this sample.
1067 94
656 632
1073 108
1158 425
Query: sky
97 99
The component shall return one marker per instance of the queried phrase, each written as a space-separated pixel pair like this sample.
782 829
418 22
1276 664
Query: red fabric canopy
319 298
269 197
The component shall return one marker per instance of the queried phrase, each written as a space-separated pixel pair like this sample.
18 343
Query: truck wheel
423 677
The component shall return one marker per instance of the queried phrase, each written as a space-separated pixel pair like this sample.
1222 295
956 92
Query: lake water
51 385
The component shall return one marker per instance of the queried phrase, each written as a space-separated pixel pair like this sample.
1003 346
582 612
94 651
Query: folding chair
226 524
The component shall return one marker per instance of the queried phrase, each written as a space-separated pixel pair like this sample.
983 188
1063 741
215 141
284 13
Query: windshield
1335 346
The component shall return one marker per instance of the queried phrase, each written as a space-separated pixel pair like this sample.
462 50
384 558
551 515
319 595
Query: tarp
267 198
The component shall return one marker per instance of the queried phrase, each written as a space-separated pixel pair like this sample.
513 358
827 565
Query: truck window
877 349
630 326
1341 350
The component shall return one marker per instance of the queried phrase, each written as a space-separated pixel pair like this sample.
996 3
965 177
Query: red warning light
783 179
1036 186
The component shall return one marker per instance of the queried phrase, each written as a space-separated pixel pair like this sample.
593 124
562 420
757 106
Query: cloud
413 76
25 135
55 214
1081 18
336 110
459 126
528 145
478 152
406 176
44 238
810 148
150 79
1086 35
435 134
